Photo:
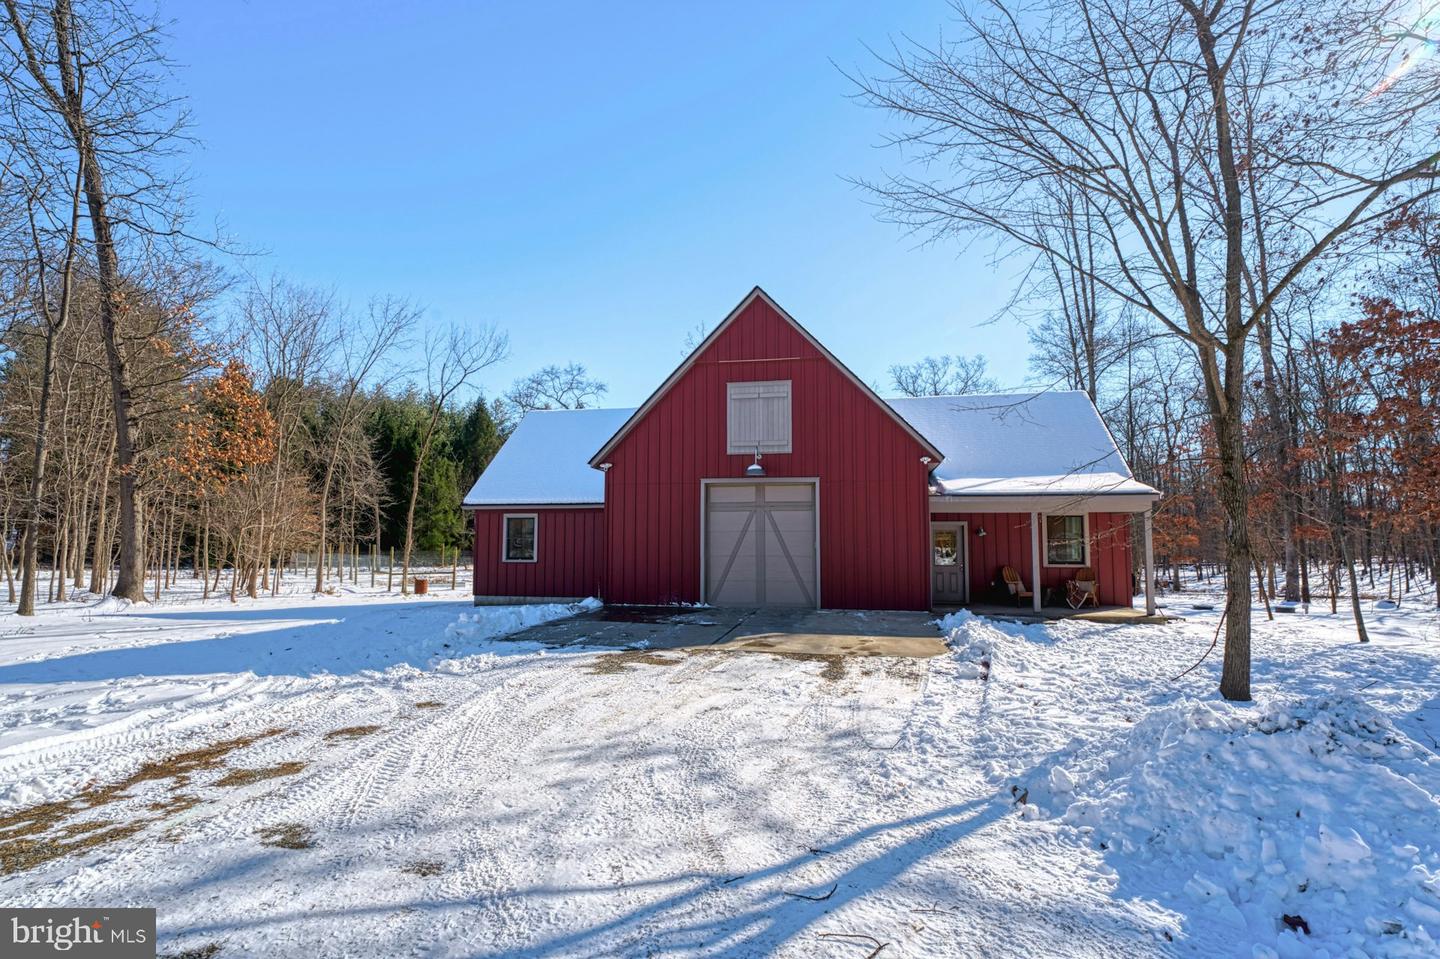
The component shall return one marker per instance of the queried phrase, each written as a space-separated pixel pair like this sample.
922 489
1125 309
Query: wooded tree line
1224 211
159 414
256 434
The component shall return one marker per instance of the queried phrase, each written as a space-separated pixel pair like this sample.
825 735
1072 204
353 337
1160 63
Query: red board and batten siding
874 522
1007 543
570 554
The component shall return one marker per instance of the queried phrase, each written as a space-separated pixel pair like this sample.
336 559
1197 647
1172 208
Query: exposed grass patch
244 777
176 802
287 835
44 832
906 670
834 670
624 661
424 867
429 704
178 767
72 829
22 853
350 732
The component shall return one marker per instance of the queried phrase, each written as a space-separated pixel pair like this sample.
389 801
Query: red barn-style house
763 472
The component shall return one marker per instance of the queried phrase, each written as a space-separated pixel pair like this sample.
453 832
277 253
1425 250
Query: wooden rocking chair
1016 585
1083 589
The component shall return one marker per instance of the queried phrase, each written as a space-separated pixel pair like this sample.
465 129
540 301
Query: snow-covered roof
546 460
1021 444
1005 444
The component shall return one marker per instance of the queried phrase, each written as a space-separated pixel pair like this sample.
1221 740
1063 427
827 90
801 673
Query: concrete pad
631 627
823 632
841 622
833 644
838 632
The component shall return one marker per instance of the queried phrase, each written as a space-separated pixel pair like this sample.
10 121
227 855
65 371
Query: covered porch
986 533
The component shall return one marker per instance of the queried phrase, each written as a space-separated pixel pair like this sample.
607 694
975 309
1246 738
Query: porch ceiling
1100 503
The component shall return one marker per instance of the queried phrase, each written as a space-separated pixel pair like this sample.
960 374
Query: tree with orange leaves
223 438
1390 359
226 433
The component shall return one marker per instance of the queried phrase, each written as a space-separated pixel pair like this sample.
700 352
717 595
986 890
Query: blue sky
595 178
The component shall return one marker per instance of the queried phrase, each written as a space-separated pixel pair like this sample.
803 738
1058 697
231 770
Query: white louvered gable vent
759 417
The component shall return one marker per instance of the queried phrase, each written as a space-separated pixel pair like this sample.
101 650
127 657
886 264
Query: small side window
519 545
1065 540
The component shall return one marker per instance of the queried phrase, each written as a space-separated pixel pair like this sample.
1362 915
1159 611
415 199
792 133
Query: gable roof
1022 444
1006 444
543 461
695 354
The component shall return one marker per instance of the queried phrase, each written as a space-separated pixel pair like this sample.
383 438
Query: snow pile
972 641
492 622
975 640
1323 812
1310 804
488 622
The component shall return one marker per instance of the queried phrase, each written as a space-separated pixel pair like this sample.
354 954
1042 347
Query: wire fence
370 566
419 559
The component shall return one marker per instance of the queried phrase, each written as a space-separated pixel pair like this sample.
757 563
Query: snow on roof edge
545 461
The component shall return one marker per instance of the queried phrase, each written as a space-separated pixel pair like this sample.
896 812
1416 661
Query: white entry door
760 544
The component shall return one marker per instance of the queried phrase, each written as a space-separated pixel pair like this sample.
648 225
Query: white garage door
760 545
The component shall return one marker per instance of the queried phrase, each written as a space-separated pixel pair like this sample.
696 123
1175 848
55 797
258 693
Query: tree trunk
1226 389
5 555
100 568
1304 575
1339 536
1435 563
29 542
58 571
324 510
1360 631
1234 499
130 579
1260 584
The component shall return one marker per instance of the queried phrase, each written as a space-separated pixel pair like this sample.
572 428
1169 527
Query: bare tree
362 346
569 387
1191 131
1082 333
54 235
96 72
452 362
943 376
290 335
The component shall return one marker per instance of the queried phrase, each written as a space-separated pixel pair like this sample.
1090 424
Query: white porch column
1035 560
1149 561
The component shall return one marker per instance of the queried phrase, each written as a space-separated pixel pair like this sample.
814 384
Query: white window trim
1045 541
745 449
505 519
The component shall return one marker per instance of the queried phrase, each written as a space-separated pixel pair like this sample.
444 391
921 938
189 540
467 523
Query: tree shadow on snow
326 640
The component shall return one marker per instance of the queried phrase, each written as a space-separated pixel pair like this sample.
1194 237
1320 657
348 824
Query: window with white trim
758 417
1065 541
520 538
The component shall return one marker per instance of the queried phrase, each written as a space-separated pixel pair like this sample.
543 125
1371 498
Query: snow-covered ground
371 775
